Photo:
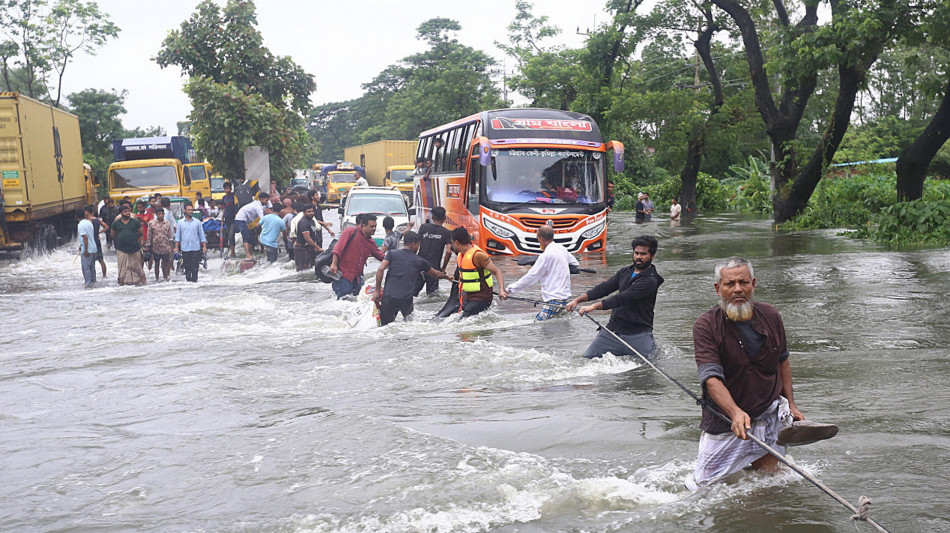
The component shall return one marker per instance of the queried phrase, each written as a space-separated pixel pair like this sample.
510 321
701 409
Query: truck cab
400 177
149 165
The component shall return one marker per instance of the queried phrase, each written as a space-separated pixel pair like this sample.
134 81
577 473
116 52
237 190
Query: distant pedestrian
391 241
318 218
100 226
361 181
108 214
191 242
305 244
290 230
161 242
127 234
87 246
641 215
145 215
435 247
272 227
675 210
229 209
610 196
404 268
246 216
648 207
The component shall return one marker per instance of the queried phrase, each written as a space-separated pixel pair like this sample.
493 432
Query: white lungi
725 454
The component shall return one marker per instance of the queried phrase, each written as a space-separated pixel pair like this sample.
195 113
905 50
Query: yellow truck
148 165
378 156
401 177
44 183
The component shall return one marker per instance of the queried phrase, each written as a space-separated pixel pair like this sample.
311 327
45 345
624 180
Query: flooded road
247 402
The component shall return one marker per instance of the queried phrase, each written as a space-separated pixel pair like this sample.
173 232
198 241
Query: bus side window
474 177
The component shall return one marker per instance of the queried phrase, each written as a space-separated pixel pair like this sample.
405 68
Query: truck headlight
594 231
498 230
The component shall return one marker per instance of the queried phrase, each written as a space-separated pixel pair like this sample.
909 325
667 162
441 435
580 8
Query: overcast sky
343 44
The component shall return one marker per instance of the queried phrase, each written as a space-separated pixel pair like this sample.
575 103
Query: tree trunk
915 159
694 153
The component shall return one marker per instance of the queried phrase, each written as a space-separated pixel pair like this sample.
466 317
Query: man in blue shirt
272 226
191 242
87 245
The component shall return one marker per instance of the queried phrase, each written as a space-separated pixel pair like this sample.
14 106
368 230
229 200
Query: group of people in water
740 344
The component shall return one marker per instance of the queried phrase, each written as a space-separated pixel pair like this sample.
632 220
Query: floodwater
247 402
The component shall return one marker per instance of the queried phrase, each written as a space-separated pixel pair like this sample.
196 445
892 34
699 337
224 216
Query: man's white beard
737 312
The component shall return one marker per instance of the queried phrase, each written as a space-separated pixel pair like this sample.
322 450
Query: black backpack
243 195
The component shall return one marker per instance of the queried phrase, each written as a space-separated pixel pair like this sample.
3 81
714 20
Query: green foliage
99 124
445 82
42 37
242 95
918 222
750 186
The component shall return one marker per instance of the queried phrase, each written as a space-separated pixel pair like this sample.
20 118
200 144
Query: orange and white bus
503 174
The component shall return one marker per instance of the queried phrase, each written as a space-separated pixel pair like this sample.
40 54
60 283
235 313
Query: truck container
148 165
44 183
376 157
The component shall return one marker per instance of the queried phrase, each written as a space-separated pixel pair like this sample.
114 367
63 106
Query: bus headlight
594 231
504 233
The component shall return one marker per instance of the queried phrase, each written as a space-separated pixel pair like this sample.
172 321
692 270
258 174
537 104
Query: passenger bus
504 173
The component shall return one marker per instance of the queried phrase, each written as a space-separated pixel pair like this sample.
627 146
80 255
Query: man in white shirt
553 270
361 181
248 215
675 210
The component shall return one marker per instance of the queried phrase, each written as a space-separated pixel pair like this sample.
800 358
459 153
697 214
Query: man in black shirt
632 316
318 218
404 268
107 214
305 244
435 247
229 209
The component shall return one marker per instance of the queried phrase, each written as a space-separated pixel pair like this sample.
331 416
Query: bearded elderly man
742 355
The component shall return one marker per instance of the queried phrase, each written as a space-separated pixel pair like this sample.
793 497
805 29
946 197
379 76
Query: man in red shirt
350 253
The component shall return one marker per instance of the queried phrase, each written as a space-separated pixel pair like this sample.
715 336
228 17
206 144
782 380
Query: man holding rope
636 286
553 270
742 355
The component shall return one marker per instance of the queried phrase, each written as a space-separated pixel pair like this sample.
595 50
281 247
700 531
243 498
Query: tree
851 43
915 159
241 94
42 37
99 124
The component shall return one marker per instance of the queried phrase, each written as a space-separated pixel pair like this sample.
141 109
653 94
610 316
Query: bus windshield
217 184
343 177
144 177
545 176
401 176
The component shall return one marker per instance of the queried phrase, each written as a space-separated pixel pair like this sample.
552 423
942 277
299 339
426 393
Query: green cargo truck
43 183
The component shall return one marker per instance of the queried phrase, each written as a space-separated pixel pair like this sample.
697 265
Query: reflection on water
247 402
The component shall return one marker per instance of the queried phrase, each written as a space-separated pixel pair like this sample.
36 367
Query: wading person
229 209
404 269
675 210
246 216
305 244
87 245
553 271
161 242
99 226
743 366
272 227
108 214
631 316
127 234
435 247
354 247
191 242
475 271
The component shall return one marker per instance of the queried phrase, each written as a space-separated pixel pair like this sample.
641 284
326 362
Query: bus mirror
484 151
617 147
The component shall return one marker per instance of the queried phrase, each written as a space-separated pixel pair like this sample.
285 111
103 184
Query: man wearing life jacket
475 271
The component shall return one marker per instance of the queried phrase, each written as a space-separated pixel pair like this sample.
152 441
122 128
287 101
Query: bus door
196 179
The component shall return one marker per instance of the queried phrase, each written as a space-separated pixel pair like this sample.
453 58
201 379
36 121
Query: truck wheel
44 238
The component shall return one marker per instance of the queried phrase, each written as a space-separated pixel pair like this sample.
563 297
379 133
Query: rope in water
860 512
